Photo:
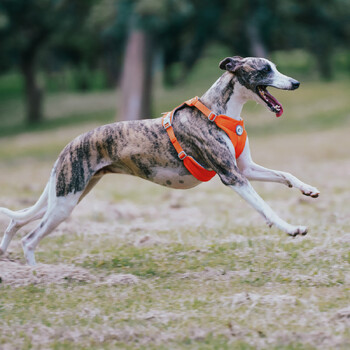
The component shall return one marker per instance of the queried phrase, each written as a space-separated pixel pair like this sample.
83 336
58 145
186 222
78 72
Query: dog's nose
295 84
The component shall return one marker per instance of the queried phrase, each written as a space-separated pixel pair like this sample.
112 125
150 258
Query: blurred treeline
84 44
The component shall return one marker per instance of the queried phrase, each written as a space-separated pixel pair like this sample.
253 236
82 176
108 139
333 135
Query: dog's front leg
247 192
256 172
223 161
234 179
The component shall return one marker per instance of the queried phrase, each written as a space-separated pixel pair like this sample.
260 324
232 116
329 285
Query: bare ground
141 266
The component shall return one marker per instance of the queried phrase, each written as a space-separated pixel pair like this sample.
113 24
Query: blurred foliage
28 29
72 44
29 25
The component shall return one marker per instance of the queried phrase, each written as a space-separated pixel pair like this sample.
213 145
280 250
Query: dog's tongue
278 114
278 107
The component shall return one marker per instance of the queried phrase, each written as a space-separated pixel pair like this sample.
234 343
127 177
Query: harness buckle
182 155
192 101
166 121
211 116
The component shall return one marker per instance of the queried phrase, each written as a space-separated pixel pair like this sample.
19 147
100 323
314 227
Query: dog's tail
27 213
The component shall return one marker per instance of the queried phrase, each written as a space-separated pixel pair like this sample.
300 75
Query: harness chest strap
233 128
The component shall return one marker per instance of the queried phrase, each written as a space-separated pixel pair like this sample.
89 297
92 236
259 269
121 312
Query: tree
179 29
147 19
242 28
319 26
28 26
137 76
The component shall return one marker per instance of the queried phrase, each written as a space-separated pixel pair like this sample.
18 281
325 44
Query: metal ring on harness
212 116
182 155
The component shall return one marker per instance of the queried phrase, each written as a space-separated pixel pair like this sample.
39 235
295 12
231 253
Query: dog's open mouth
271 101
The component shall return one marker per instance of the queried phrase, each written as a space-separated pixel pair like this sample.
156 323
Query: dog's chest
173 178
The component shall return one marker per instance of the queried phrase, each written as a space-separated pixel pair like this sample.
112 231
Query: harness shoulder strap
198 171
233 128
199 105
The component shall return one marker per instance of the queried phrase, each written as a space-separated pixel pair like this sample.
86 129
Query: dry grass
141 266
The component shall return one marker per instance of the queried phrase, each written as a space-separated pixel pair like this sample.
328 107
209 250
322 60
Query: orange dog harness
233 128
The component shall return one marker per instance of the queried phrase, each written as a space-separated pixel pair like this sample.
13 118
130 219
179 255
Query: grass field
139 266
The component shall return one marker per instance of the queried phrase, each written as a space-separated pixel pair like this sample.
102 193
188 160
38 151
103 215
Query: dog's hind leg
58 210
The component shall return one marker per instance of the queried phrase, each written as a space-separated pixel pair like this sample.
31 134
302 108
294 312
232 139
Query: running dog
143 148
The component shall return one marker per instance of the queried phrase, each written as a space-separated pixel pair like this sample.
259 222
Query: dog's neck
226 96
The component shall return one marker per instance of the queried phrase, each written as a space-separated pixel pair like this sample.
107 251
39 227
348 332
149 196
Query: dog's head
256 74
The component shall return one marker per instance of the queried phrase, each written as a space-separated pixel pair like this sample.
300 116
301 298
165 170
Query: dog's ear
231 64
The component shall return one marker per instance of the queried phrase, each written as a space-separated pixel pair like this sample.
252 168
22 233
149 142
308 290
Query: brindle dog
142 148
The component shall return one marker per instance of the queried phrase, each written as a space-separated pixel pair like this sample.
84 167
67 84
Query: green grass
11 86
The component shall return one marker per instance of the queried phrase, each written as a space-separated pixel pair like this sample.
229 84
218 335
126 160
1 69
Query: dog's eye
267 69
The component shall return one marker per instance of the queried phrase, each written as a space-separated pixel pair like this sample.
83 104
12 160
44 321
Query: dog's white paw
310 191
297 230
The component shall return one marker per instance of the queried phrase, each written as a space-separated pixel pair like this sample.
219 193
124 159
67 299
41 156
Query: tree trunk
33 92
325 67
256 45
324 61
137 77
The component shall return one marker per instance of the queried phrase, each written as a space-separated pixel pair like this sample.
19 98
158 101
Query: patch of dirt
148 240
321 340
162 316
115 279
343 314
253 298
317 279
14 274
96 216
214 274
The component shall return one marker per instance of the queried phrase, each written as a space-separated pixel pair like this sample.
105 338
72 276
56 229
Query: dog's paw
310 191
298 230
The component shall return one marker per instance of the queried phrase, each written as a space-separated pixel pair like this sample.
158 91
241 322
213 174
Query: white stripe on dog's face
282 81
